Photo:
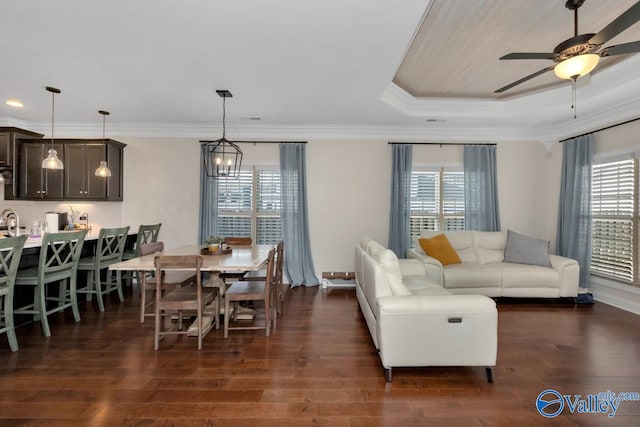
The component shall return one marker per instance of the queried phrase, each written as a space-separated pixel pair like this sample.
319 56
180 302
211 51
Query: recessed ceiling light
253 118
14 103
435 120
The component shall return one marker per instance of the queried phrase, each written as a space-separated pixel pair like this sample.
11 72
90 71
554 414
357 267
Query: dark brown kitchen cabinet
77 181
9 157
37 183
80 163
81 159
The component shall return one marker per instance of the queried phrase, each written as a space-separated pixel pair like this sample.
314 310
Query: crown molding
605 99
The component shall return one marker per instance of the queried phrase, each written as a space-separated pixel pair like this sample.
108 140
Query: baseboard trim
618 295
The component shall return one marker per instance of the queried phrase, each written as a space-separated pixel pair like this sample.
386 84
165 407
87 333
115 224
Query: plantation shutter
268 220
424 203
453 200
613 220
235 198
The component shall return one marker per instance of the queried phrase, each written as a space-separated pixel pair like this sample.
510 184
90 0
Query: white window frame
614 268
254 213
440 217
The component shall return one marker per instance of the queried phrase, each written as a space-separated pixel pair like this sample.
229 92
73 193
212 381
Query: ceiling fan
580 54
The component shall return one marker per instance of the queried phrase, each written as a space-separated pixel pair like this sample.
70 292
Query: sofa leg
388 374
489 371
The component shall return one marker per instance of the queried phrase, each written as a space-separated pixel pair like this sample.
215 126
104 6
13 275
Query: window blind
614 220
436 201
250 206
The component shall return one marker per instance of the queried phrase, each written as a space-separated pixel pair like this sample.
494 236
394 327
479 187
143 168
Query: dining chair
109 250
251 291
232 276
58 263
10 253
277 283
190 298
244 241
148 283
146 234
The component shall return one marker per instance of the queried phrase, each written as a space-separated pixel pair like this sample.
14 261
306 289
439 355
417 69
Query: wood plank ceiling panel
456 49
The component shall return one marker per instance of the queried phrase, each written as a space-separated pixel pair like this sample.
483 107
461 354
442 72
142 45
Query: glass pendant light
103 169
52 161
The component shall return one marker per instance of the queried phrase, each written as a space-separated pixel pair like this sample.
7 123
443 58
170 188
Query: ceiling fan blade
621 49
618 25
520 55
524 79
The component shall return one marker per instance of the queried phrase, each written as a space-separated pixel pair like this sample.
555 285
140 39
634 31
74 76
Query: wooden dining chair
232 276
109 250
171 280
146 234
10 253
190 298
251 291
58 263
277 283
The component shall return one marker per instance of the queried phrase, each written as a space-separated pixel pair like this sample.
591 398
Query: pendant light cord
224 115
53 109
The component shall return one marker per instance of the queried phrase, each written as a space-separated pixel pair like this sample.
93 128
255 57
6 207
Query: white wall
348 190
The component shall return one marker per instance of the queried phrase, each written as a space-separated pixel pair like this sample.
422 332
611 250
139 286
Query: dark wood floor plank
318 368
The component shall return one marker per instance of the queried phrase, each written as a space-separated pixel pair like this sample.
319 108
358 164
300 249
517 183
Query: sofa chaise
414 321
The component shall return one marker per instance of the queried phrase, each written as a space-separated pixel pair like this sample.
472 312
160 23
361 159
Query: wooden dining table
241 258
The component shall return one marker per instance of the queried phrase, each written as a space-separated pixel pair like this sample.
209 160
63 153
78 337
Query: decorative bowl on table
215 250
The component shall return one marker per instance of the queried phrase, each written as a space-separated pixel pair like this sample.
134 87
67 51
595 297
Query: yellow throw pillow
439 248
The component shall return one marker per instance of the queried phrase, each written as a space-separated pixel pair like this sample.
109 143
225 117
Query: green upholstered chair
146 234
108 251
10 252
58 264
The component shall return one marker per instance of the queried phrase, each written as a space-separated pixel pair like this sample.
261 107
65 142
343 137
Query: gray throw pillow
522 249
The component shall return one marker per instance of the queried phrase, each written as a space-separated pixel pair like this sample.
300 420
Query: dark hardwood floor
318 368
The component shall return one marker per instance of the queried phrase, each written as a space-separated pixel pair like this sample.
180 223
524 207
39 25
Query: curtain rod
599 130
439 143
261 142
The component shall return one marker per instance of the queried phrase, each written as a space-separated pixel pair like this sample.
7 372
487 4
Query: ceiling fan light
577 66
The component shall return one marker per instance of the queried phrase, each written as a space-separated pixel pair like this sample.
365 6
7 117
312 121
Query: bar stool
108 251
146 234
10 252
58 263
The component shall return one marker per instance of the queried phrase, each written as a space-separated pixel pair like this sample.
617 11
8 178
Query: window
250 206
615 221
437 201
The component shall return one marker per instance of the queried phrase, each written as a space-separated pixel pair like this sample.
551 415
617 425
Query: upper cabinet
77 181
9 156
35 182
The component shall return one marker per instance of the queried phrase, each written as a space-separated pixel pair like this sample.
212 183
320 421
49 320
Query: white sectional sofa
414 321
483 269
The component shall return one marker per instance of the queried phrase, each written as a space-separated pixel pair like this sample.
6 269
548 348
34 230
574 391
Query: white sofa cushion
391 267
528 276
490 246
471 275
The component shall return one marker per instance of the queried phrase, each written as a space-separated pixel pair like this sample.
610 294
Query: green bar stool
10 252
109 251
146 234
58 263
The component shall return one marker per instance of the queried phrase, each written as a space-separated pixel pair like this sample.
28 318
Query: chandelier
221 158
